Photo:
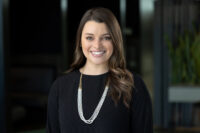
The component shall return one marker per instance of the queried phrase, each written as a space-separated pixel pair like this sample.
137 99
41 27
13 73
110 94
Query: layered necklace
80 106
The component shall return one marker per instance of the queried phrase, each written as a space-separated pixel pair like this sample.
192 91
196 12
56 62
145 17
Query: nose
97 43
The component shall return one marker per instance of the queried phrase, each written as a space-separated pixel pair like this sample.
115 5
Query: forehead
95 27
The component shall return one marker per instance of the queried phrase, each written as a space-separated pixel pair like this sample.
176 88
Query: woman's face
96 43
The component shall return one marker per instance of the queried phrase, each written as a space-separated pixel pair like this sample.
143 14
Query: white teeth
97 53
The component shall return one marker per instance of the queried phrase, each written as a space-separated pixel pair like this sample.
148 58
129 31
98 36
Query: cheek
110 47
85 47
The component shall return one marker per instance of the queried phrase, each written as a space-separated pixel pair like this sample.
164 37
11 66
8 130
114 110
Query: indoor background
162 44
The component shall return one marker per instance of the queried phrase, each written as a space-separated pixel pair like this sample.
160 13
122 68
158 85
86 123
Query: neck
94 70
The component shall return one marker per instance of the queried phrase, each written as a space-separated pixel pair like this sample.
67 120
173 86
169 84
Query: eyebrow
93 34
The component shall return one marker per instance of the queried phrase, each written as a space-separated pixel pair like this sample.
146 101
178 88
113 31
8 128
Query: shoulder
62 82
66 78
140 89
141 99
68 75
138 81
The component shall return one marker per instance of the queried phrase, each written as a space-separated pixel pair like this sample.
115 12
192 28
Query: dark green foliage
185 58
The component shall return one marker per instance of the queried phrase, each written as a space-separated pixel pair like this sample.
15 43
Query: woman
98 94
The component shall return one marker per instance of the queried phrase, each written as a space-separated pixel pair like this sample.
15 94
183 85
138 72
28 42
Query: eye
89 38
107 38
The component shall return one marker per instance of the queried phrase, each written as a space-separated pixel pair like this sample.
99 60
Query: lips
97 53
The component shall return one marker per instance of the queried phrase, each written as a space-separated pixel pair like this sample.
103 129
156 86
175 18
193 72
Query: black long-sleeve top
62 111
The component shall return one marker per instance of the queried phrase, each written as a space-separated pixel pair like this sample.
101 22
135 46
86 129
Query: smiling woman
96 45
98 94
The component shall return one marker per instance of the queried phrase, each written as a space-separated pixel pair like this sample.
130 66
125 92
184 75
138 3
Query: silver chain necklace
80 107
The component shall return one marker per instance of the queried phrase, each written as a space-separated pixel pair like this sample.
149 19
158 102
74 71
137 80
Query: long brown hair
121 80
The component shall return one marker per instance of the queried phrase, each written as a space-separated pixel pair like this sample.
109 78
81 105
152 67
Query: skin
97 47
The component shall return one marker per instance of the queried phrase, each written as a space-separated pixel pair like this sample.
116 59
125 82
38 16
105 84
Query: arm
52 125
141 108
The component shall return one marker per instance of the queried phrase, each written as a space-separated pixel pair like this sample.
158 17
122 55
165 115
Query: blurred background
162 44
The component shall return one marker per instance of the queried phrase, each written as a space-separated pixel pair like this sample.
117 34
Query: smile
97 53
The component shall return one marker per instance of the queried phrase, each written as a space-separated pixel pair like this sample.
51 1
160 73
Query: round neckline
98 75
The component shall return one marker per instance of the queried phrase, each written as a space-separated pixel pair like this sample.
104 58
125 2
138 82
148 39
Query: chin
99 62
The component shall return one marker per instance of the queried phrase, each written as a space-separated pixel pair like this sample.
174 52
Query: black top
63 117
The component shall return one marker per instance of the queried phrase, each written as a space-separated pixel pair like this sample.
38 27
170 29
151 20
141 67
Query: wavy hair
120 79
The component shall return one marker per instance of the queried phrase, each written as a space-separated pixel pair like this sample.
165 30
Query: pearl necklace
80 107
